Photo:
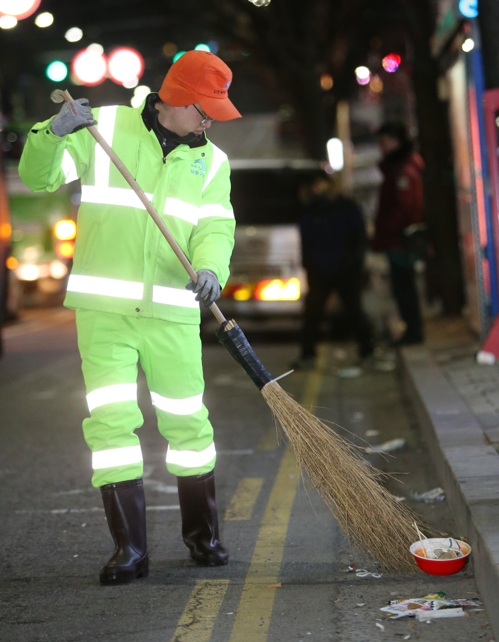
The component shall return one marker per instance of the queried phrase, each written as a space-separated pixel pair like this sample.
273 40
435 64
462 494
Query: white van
267 278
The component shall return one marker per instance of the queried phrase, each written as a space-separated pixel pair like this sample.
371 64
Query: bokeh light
202 47
74 34
89 66
376 84
44 20
391 62
56 71
125 65
19 8
170 49
326 81
8 22
178 55
468 45
139 94
362 75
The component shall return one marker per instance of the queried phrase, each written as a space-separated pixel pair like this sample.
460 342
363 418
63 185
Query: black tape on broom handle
238 346
147 204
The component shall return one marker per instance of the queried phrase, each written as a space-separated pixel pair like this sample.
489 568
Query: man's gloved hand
66 122
207 287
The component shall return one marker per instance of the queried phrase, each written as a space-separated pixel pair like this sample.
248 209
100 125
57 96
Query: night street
286 579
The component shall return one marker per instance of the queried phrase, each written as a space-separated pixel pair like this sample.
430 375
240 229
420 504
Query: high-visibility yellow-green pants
170 355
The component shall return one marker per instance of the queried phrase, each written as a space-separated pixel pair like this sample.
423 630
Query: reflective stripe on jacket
122 263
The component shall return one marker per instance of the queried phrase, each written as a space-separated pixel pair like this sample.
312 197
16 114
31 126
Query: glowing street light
20 9
125 65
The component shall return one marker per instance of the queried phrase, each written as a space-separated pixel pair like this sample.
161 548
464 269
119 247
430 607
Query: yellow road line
257 600
244 499
197 620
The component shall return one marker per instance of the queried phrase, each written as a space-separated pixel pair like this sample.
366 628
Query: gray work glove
66 122
207 287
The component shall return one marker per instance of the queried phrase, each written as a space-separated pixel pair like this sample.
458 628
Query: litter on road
387 447
433 495
424 605
426 616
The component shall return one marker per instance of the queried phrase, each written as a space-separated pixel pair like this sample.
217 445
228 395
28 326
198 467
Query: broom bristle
373 520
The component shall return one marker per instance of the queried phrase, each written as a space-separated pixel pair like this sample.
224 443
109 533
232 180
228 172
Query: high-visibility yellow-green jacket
122 263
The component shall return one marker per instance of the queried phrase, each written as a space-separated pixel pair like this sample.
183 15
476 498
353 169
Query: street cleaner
130 294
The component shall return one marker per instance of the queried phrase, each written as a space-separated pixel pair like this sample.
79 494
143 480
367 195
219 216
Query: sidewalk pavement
457 403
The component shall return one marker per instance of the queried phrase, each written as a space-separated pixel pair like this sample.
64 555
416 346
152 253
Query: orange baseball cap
203 78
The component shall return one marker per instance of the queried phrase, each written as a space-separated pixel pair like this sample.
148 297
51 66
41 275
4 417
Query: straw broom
372 519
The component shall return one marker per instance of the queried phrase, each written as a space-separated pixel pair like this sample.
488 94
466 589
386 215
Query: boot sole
124 578
200 561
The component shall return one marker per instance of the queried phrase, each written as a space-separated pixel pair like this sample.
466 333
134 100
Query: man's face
185 120
388 144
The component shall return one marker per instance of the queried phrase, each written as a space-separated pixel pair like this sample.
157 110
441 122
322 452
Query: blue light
469 8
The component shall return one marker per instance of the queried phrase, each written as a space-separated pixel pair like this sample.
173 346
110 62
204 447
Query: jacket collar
150 118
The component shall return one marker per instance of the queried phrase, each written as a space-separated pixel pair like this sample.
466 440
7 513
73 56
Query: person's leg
107 344
350 292
403 280
315 301
170 354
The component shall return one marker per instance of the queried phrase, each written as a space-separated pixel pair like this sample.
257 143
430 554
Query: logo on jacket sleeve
198 167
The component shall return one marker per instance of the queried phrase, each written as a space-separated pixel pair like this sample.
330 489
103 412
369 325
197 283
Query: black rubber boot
200 519
125 508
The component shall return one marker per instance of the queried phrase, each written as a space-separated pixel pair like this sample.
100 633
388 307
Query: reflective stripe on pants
170 355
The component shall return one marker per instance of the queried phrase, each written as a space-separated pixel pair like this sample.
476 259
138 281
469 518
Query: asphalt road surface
287 578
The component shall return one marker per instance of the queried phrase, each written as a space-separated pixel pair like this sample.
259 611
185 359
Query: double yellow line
254 613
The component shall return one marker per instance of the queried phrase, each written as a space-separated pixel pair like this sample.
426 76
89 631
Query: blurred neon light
391 62
469 8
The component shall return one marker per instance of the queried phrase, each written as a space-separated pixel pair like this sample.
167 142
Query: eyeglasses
204 116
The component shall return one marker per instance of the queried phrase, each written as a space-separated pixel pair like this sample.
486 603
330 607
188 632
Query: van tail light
65 249
278 290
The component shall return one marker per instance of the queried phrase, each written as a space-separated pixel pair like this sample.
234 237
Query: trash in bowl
433 495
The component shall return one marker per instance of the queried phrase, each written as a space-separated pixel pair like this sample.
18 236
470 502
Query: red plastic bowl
441 567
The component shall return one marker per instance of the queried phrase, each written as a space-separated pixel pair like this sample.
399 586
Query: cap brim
218 109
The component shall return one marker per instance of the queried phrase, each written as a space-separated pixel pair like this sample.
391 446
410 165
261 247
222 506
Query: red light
391 62
89 66
20 9
125 65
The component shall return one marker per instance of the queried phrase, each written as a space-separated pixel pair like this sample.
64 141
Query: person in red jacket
400 206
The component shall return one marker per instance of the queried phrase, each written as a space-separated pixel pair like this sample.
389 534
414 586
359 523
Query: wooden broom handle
147 204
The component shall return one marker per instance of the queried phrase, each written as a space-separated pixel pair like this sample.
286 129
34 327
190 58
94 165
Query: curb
467 467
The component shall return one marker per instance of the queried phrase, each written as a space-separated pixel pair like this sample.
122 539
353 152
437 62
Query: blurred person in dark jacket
334 242
400 207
